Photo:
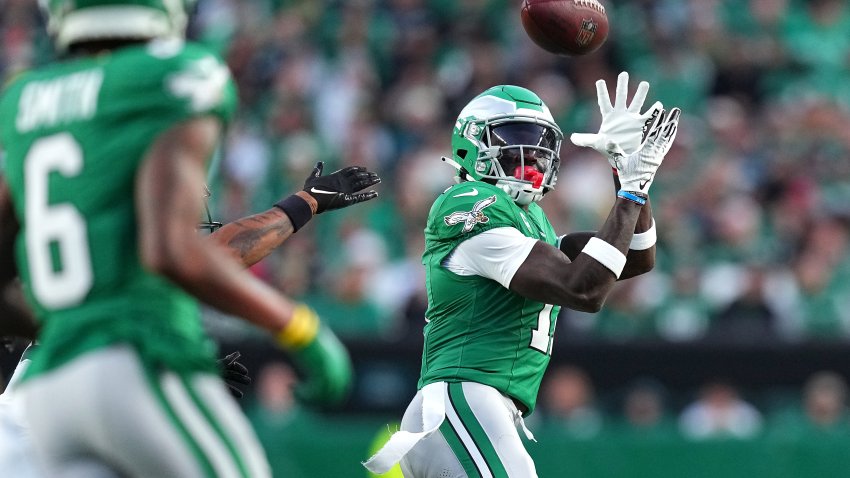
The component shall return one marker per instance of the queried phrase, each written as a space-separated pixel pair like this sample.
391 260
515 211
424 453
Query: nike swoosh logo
474 192
643 184
322 191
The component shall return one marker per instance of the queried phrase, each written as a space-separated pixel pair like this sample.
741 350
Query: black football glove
340 188
234 373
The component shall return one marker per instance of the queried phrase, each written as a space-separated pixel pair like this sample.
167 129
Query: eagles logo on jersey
470 218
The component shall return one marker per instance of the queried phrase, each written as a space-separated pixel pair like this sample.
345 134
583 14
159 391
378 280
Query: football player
497 274
105 151
249 239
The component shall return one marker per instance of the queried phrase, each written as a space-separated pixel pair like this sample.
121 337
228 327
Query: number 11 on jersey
543 335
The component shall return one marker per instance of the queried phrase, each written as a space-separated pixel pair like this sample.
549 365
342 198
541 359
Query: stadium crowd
752 204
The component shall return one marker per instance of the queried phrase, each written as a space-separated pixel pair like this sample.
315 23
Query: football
565 27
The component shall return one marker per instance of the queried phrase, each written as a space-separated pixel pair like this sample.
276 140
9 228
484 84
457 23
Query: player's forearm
252 238
548 275
637 261
589 276
168 205
640 261
222 283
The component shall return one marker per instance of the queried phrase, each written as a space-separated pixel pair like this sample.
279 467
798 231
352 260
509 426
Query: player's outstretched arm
168 206
252 238
548 275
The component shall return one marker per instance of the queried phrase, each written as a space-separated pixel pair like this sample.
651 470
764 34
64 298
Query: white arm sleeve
495 254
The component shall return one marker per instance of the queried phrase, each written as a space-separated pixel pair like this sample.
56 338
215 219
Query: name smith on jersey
58 101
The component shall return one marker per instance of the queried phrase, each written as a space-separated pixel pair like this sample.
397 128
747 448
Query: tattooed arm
252 238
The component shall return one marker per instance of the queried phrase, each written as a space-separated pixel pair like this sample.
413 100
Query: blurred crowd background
752 204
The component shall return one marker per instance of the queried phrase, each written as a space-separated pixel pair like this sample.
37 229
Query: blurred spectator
568 403
644 414
643 405
683 314
720 412
822 274
819 410
274 402
825 402
748 319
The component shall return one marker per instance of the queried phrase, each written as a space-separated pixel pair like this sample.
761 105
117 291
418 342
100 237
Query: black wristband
297 209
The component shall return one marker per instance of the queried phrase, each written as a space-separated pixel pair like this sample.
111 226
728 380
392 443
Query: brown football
565 27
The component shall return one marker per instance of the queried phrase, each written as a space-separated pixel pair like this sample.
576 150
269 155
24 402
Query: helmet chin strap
462 173
521 193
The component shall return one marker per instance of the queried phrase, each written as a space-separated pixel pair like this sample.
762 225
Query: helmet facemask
519 154
506 136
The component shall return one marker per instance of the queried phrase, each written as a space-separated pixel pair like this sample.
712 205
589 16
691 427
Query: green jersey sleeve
174 82
470 208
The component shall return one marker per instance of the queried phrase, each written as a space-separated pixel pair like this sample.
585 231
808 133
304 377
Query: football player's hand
340 188
637 171
624 129
327 369
234 373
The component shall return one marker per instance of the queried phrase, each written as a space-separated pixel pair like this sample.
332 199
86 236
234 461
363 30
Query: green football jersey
74 135
478 330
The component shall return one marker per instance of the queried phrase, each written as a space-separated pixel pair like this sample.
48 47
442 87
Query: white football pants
478 438
104 415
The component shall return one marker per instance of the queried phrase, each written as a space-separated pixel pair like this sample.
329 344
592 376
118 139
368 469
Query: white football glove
637 170
624 130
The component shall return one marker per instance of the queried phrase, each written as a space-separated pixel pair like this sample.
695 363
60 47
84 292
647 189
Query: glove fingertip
362 197
657 106
580 139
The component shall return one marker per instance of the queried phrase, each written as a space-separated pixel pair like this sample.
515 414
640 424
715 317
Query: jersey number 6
58 227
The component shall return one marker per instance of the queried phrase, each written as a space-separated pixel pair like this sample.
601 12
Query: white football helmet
507 136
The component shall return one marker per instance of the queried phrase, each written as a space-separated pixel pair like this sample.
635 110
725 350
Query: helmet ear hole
462 153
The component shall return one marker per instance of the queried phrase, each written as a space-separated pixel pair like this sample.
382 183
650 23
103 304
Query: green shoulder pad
181 80
470 208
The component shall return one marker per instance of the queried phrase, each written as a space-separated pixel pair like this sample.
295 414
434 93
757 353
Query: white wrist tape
644 240
606 254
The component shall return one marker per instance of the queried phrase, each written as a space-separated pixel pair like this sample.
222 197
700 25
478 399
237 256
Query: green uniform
479 331
74 134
